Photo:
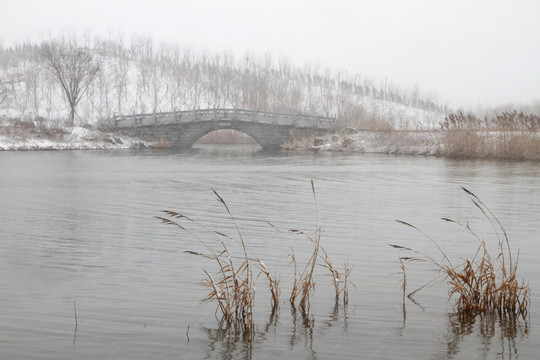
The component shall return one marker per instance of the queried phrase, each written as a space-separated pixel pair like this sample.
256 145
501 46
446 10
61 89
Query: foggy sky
469 52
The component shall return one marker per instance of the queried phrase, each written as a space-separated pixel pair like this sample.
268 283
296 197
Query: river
87 271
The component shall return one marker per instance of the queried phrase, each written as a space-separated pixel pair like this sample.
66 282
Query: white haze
470 53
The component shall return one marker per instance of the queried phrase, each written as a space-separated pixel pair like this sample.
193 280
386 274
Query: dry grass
482 284
298 142
510 135
232 286
341 141
465 144
22 130
518 145
375 123
510 144
304 282
347 143
507 120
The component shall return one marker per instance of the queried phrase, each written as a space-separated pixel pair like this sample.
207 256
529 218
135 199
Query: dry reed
232 286
305 285
304 282
510 135
479 285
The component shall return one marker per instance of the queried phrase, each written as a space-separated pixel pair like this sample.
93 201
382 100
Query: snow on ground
27 136
384 142
76 138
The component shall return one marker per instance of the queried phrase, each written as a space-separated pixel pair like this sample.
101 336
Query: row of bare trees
93 79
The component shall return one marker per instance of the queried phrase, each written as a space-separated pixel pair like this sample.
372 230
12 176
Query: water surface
78 233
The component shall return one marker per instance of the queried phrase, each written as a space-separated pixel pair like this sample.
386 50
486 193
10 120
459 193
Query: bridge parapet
176 117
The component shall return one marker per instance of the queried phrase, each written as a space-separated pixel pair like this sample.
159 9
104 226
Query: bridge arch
254 132
226 137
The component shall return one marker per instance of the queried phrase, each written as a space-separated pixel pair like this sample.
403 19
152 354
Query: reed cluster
304 281
232 286
507 120
510 145
510 135
482 284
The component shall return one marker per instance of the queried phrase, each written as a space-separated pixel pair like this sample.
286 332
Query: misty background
468 54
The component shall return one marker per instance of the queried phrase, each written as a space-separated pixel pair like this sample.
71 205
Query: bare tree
5 91
74 67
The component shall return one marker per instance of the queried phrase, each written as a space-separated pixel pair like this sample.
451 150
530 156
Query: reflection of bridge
183 128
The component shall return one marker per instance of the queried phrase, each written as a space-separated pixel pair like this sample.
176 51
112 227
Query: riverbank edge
31 138
399 142
27 137
513 145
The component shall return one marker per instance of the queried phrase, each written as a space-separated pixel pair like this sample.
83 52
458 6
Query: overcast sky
469 52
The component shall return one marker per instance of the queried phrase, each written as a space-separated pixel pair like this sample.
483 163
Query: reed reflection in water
303 331
505 328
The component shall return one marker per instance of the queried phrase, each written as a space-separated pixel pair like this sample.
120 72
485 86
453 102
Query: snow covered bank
28 137
462 144
385 142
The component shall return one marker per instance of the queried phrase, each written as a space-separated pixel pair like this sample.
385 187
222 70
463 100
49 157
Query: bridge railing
296 120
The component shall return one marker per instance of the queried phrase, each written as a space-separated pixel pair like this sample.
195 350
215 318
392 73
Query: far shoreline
453 144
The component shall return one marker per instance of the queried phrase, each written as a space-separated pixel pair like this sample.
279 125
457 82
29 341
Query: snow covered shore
76 138
384 142
81 138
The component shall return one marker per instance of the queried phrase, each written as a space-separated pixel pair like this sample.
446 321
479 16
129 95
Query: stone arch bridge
183 128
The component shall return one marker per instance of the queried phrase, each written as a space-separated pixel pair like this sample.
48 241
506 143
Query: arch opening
226 137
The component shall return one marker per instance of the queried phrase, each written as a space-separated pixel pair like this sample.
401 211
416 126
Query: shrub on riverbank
28 129
299 142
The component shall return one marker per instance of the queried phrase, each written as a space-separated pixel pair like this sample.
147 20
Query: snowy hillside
143 78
